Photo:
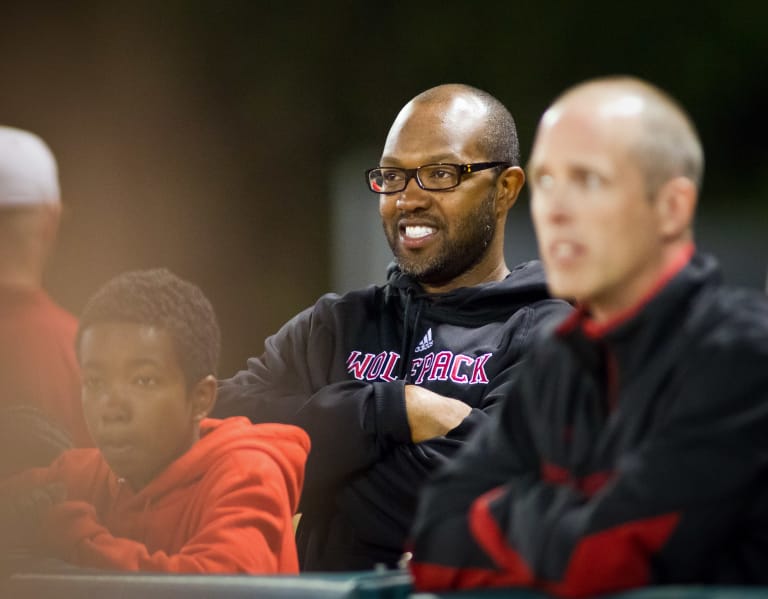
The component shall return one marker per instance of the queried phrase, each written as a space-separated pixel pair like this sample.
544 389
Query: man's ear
508 186
203 397
675 206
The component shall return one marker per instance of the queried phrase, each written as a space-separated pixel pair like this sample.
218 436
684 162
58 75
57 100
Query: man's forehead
449 129
577 141
599 103
452 111
583 124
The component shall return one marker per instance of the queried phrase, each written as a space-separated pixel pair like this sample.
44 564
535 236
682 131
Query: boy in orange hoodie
167 489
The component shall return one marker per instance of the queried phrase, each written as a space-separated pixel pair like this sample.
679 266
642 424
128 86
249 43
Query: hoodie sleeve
300 379
665 514
245 524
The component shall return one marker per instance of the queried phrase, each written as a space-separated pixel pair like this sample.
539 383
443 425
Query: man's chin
421 271
433 278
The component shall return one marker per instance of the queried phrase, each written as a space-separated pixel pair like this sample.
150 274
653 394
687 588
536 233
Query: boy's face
135 399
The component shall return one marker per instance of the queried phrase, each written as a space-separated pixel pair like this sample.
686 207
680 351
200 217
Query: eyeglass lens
429 176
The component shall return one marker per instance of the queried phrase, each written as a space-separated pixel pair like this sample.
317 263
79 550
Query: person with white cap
38 367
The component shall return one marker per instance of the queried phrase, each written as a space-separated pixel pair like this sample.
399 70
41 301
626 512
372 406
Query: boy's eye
92 383
145 381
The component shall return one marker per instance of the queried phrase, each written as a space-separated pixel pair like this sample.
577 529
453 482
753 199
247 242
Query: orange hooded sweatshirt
225 506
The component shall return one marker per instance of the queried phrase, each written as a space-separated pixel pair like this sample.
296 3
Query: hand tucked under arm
431 414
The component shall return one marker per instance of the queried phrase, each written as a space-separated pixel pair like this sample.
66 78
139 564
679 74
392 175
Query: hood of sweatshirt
287 445
470 306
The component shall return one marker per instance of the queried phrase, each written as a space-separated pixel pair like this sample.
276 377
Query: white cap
28 173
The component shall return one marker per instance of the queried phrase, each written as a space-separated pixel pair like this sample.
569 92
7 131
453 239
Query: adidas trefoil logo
426 342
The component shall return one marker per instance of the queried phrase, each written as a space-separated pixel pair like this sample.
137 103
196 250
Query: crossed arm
666 512
352 423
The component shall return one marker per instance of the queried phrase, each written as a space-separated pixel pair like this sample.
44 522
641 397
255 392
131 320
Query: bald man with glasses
391 380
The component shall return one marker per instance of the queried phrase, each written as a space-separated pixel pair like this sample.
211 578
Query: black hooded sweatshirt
338 370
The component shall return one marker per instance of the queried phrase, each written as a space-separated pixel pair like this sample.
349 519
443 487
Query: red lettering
375 369
440 366
358 368
415 363
478 370
390 367
426 363
458 361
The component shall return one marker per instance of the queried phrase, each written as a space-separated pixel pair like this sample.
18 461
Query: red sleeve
246 528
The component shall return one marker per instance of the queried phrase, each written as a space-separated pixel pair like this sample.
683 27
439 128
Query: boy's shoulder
233 451
238 429
237 438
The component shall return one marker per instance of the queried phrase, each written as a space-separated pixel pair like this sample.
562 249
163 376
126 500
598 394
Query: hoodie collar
475 305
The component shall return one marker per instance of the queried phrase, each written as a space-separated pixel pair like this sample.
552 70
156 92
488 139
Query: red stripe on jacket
589 485
615 559
610 560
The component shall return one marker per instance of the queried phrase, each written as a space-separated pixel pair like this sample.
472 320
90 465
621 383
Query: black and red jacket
338 370
631 453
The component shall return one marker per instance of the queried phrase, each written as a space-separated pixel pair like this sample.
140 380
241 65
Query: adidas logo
425 343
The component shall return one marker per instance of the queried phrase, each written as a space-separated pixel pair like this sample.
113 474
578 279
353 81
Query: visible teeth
564 250
418 231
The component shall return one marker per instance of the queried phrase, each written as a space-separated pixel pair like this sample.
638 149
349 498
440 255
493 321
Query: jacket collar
581 317
643 331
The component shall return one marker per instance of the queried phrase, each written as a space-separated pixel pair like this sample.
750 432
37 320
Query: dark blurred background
226 140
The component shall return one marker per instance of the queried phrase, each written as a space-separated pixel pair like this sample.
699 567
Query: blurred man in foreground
634 451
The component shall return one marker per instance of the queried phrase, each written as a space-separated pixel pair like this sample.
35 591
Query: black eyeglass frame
413 173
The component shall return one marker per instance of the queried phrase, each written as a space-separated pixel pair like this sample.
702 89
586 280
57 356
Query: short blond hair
667 144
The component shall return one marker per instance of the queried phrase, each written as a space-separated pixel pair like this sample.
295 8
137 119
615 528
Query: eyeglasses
430 177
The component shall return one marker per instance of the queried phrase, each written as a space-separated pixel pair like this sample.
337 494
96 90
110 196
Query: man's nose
554 201
412 197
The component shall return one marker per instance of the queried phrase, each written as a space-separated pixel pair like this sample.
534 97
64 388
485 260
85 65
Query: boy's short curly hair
159 298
